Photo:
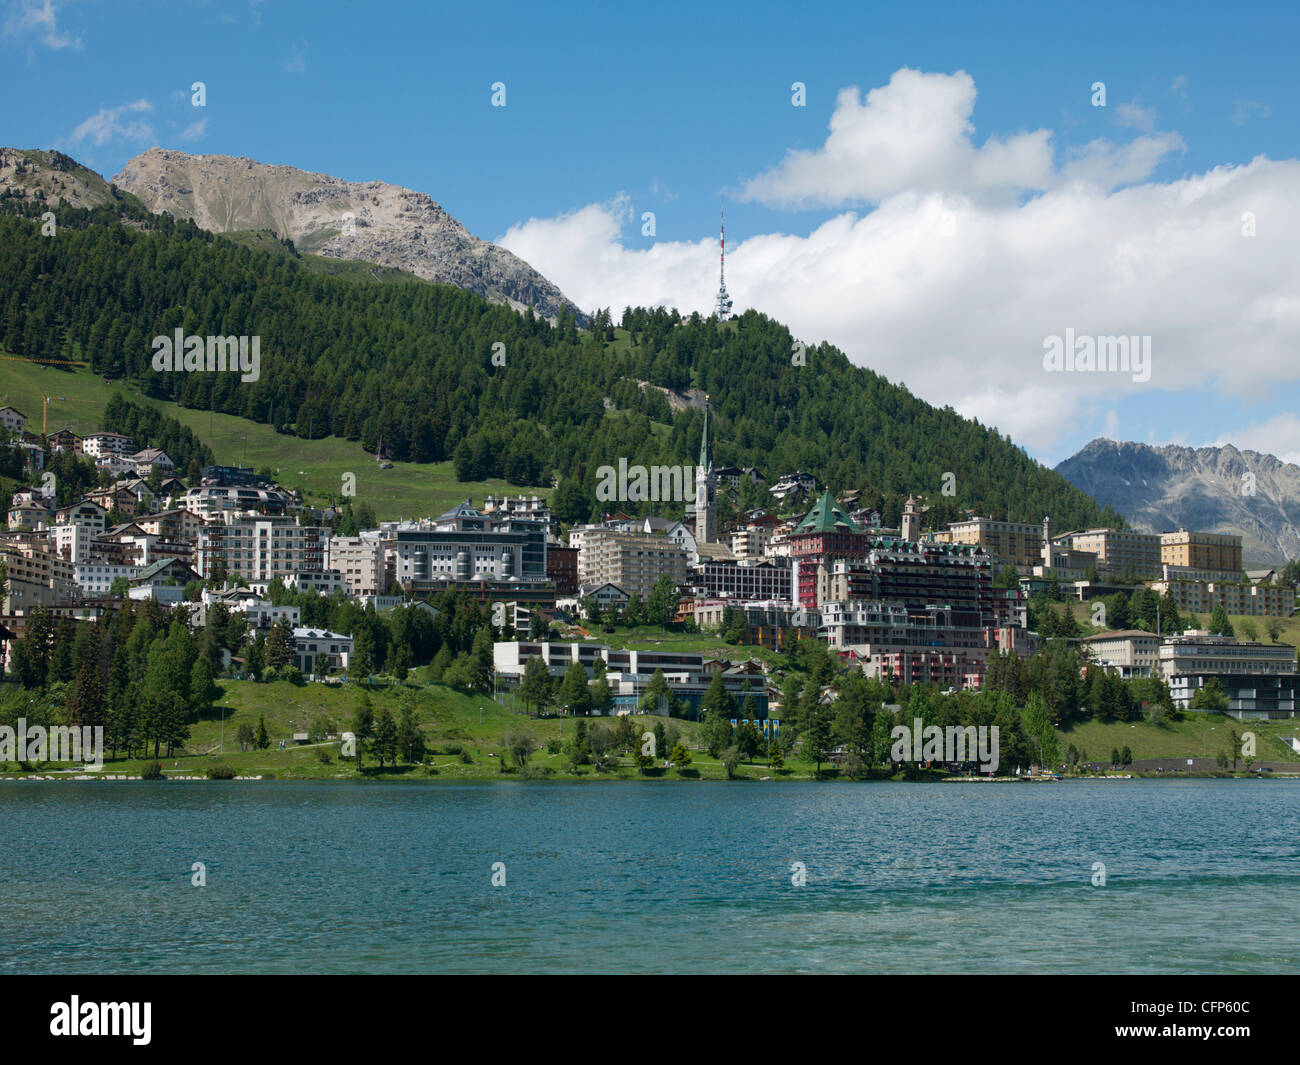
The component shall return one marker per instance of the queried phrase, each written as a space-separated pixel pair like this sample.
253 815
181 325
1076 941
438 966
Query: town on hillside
236 557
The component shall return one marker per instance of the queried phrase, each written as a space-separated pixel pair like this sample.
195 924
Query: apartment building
1121 551
260 547
1201 551
632 561
1015 543
360 559
107 445
465 545
213 502
1255 600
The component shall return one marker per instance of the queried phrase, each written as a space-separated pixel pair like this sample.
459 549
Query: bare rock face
48 178
371 221
1207 489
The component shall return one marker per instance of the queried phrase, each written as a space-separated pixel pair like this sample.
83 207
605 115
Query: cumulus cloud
954 292
1279 435
115 123
37 18
913 134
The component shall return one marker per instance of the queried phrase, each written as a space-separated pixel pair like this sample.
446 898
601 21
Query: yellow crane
45 406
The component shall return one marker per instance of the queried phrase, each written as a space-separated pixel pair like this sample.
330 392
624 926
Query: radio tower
723 307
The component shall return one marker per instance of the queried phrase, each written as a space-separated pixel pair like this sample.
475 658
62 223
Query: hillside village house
320 651
13 419
107 445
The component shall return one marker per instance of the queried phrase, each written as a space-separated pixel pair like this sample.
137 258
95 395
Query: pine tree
262 739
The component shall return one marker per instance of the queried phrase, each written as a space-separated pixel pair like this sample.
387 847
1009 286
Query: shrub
220 772
451 748
323 756
153 771
466 757
536 772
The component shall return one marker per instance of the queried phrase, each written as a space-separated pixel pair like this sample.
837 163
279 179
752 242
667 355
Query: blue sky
1107 220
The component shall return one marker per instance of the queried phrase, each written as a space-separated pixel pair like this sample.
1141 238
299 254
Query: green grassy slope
314 466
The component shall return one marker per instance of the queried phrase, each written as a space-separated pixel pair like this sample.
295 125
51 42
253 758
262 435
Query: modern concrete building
465 545
260 547
1259 680
632 561
629 673
750 579
360 559
1128 652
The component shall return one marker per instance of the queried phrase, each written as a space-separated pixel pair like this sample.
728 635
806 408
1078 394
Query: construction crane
45 406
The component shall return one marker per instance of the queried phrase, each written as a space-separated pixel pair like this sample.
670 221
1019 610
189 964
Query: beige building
361 561
1130 652
1121 551
1017 542
1254 600
633 561
751 541
1201 550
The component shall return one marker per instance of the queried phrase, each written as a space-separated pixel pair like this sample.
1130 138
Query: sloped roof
827 516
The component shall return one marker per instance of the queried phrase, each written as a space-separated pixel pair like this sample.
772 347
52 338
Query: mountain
432 373
1210 489
370 221
48 178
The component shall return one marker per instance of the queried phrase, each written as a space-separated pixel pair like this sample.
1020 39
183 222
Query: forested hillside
410 367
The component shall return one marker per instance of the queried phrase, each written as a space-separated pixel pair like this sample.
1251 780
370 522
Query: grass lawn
1196 735
316 467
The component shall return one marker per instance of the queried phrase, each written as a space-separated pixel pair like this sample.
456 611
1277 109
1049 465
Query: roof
827 516
318 634
1121 634
15 410
462 510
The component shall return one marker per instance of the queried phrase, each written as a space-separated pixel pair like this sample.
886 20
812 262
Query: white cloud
193 131
39 18
953 292
913 134
115 123
1279 435
1136 117
297 61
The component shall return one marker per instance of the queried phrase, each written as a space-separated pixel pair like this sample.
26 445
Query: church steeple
706 490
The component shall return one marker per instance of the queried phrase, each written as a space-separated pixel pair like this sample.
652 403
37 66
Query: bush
536 772
323 756
153 771
466 757
220 772
293 675
451 748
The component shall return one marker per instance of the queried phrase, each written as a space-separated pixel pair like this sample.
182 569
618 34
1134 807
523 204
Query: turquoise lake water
1201 877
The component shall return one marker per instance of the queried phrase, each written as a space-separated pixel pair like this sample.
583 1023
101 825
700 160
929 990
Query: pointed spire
706 460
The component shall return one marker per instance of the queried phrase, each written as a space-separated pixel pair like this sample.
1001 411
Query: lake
316 877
